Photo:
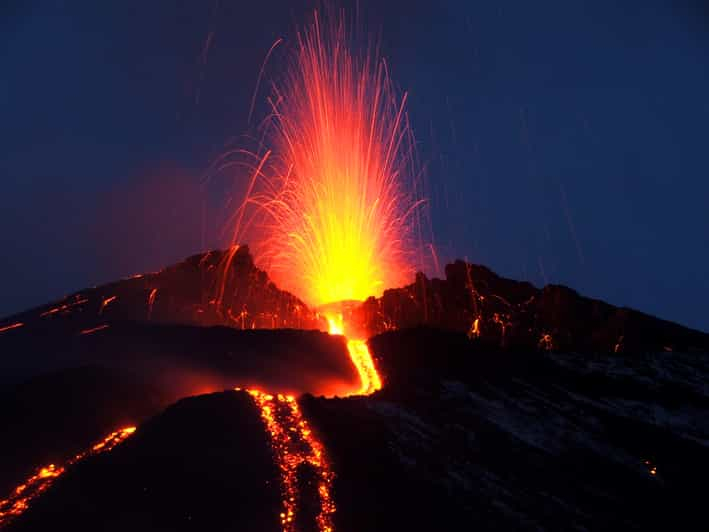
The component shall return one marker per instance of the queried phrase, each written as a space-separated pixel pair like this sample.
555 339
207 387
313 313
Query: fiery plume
332 200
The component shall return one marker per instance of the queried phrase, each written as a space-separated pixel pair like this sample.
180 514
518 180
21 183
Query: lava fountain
332 204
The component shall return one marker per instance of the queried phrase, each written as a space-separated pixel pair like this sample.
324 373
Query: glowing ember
65 308
294 445
105 303
18 501
474 331
151 300
651 468
331 197
94 329
11 326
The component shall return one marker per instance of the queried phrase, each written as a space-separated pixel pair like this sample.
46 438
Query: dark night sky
565 141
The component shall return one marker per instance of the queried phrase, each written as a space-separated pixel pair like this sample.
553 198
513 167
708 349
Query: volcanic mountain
203 397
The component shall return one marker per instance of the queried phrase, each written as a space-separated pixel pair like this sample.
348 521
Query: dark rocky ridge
188 293
510 314
516 315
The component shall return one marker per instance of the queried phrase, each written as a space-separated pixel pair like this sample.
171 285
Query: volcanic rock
504 406
204 464
463 438
516 315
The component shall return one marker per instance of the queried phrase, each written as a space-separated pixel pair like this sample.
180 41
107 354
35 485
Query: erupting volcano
359 395
332 205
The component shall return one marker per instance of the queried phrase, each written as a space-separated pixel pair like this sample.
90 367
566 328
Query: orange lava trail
151 301
105 303
11 326
94 329
360 356
64 308
294 445
18 500
362 360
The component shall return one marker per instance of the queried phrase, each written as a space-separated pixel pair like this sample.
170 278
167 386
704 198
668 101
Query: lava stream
294 445
362 360
11 326
18 500
94 329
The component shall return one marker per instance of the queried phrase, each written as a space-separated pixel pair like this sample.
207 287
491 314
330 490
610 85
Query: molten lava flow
65 308
105 303
11 326
294 445
360 357
333 202
94 329
19 499
151 300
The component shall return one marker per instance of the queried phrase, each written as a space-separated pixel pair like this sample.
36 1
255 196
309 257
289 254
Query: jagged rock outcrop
504 313
212 288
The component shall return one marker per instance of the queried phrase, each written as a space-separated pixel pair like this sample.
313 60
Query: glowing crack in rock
19 499
294 445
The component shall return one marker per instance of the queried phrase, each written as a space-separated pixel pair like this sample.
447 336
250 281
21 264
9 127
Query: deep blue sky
565 141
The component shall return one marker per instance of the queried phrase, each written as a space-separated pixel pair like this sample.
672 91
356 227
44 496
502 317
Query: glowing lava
294 446
65 308
11 326
105 303
19 499
333 201
151 300
360 356
94 329
362 359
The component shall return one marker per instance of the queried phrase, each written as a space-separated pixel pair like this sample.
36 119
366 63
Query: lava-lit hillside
503 313
502 405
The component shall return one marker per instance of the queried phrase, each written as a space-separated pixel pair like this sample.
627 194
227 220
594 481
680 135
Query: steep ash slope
466 437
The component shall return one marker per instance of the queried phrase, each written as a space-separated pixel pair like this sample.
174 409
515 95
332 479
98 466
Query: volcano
148 403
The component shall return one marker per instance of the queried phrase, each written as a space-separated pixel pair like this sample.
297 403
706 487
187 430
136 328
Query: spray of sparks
18 501
333 202
335 217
